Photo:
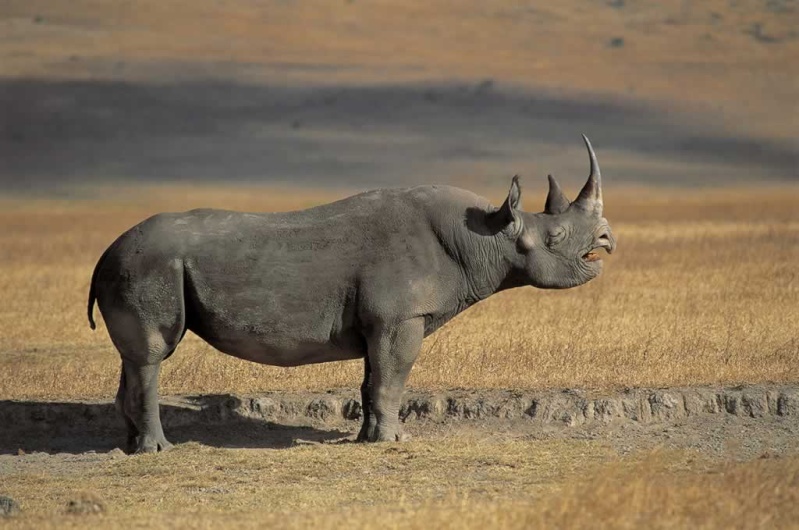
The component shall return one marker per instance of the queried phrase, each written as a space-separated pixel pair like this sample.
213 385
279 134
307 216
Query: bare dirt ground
740 422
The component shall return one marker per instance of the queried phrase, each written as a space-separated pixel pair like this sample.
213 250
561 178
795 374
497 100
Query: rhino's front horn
590 197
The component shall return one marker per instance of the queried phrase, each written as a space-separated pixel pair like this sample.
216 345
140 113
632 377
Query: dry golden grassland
459 482
704 288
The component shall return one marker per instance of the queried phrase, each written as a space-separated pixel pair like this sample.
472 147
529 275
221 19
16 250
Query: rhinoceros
366 277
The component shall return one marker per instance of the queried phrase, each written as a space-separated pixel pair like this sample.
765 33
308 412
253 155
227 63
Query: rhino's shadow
63 427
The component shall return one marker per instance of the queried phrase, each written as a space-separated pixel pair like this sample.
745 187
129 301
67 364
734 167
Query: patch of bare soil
739 422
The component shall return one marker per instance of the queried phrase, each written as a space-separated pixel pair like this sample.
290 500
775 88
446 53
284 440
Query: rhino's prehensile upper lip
605 242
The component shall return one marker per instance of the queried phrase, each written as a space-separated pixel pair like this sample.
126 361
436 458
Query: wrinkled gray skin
367 277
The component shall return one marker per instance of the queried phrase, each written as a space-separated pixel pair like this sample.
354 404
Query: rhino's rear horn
556 200
590 197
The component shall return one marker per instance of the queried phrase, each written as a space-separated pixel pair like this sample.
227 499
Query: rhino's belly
282 350
283 316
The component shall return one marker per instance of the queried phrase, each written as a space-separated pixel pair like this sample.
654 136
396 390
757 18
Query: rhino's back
332 239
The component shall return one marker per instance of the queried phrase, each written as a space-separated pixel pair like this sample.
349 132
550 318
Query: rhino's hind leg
138 391
146 319
137 397
392 352
140 407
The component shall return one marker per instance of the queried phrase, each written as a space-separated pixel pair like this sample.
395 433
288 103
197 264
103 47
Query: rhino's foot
151 444
376 434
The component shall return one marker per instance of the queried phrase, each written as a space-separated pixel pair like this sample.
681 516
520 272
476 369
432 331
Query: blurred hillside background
357 93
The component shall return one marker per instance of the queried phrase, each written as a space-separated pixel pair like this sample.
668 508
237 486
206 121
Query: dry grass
302 480
757 494
703 289
463 482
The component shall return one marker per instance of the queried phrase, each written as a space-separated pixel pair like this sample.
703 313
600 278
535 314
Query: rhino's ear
556 200
507 218
514 200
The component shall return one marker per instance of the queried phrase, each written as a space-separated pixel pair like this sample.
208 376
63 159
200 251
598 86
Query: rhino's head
556 249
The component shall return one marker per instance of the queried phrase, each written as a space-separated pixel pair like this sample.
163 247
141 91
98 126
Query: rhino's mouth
606 242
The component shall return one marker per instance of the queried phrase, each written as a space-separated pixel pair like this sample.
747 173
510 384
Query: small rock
8 507
116 453
86 504
616 42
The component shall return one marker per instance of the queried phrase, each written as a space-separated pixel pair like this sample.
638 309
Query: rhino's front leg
392 350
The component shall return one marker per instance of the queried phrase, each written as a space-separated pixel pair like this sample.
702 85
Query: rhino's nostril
606 241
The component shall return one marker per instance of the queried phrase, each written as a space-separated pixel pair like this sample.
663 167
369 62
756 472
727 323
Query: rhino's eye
555 236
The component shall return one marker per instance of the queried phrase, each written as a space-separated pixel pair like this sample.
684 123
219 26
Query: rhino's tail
92 291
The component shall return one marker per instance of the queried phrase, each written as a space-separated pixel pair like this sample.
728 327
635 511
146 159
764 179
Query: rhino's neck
485 276
482 263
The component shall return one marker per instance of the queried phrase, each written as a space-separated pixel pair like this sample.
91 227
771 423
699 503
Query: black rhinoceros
366 277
